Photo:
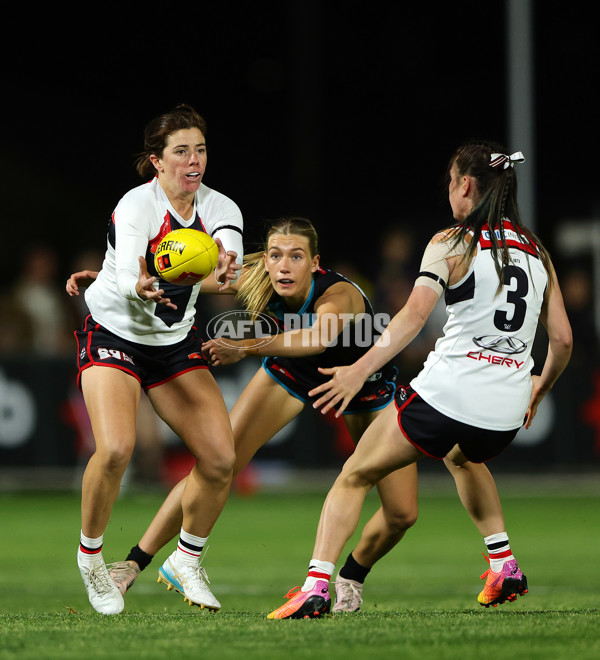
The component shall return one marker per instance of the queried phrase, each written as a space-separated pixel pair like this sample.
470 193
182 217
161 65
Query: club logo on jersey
500 344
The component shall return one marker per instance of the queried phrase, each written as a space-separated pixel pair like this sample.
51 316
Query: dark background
344 112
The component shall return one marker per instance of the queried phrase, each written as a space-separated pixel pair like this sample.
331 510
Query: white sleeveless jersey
480 370
141 219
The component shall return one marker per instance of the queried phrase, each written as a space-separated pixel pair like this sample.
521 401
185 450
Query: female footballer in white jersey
287 282
139 335
476 388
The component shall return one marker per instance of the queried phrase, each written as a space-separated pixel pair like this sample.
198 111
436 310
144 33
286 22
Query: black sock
137 555
352 570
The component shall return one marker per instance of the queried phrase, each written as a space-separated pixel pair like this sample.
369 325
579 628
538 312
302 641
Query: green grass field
419 601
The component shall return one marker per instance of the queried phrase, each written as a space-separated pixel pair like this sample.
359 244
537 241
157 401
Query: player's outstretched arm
82 278
403 328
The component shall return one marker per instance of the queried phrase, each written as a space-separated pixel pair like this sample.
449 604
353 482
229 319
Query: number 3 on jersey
515 297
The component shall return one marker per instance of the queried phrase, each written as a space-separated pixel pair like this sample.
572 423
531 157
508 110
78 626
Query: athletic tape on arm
434 270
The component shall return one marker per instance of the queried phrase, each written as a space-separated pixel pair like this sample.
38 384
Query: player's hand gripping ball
186 256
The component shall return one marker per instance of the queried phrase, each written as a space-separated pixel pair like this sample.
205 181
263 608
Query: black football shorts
435 434
375 394
150 365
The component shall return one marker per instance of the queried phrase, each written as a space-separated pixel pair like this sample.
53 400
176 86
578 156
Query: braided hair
496 184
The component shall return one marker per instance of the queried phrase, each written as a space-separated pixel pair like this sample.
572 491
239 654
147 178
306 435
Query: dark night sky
343 112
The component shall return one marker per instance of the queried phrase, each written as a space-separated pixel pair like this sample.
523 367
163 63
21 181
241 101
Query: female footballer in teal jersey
287 279
476 388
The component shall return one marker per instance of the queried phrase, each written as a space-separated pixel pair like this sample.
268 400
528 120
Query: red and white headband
506 161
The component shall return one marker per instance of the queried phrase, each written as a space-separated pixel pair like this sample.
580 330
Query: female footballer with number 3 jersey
139 335
475 388
286 280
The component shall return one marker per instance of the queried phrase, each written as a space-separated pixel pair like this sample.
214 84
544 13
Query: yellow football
186 256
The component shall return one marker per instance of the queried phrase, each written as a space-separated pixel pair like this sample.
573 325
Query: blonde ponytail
255 288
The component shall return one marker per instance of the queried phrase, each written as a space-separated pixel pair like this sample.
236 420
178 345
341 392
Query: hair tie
506 161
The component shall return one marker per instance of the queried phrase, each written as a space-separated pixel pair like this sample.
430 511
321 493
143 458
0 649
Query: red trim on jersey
524 245
165 228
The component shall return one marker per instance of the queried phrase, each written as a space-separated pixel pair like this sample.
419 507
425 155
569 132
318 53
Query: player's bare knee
402 519
114 459
217 470
355 479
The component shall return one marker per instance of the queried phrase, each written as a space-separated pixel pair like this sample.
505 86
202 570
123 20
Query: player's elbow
566 347
319 345
562 342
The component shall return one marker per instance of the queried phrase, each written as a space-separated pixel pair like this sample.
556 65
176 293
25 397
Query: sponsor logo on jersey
513 239
500 344
495 359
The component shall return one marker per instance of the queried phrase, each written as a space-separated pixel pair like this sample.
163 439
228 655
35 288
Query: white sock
318 570
499 550
189 547
90 549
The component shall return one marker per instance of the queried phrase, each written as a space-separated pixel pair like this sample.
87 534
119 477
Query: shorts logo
82 353
112 353
500 344
402 394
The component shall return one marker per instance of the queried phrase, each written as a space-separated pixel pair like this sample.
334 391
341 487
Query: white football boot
103 593
189 580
